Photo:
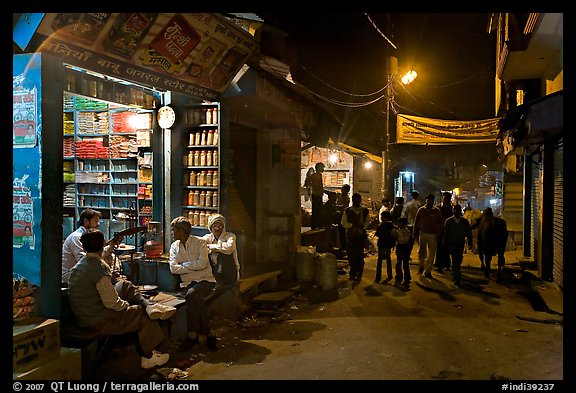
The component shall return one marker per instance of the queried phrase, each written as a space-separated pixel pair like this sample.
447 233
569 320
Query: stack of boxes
37 354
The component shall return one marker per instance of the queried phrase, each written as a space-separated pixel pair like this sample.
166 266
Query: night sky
335 55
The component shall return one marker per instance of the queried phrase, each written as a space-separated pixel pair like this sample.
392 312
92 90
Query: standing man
493 236
342 202
442 255
456 232
397 209
355 220
315 183
72 250
386 206
428 225
410 210
189 259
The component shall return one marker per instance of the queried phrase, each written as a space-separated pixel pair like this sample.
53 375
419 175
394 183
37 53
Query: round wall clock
166 116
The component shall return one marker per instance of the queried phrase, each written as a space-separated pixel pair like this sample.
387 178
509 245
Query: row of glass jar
203 138
201 116
202 178
201 158
203 198
198 218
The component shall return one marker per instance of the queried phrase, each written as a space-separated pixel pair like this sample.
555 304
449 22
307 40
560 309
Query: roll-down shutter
558 224
535 205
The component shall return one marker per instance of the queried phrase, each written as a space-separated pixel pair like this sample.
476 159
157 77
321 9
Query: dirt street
372 331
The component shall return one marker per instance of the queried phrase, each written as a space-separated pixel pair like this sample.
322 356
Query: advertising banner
192 53
426 131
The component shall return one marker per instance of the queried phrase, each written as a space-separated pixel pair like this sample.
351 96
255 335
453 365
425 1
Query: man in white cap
222 251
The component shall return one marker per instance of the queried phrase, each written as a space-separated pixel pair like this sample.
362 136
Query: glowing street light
409 77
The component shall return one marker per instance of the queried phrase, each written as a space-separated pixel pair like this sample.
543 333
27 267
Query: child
403 238
386 235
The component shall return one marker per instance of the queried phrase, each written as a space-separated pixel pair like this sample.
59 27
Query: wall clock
166 117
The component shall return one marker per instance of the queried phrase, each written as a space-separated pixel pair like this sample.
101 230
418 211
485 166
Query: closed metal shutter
535 203
558 217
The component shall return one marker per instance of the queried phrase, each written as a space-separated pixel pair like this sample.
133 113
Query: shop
531 137
98 140
338 170
90 94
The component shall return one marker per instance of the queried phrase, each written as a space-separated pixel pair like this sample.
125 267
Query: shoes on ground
212 343
458 283
160 311
406 284
187 344
428 275
157 359
439 270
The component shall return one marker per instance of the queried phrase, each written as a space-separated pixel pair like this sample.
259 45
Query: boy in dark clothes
386 235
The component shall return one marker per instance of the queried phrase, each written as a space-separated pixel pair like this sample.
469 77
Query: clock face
166 117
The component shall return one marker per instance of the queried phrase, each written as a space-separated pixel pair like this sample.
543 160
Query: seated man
72 250
222 251
189 259
110 309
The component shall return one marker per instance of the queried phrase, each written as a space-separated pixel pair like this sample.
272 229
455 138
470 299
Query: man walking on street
442 254
456 232
427 228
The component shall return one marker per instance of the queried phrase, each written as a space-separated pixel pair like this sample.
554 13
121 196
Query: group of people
442 234
106 302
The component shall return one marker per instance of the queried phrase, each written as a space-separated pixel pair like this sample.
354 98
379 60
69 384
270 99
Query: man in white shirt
409 211
386 205
72 250
189 259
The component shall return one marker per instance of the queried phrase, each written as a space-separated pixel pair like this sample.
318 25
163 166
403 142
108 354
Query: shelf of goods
107 164
201 162
335 178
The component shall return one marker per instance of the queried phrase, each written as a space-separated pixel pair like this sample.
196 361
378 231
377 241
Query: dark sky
453 54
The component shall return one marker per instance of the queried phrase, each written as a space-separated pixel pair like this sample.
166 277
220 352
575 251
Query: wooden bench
267 280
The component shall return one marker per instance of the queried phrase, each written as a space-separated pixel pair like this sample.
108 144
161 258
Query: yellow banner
417 130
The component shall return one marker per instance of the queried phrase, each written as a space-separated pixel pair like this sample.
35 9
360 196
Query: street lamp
392 67
409 77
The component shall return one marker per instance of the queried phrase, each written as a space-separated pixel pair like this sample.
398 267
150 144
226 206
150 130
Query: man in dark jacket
442 254
493 234
355 219
456 232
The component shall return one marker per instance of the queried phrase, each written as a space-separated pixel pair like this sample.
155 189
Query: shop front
88 89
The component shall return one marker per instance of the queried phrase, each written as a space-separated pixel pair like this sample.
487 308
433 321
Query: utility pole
391 67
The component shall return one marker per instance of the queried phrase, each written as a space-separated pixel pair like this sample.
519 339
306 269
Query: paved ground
372 331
